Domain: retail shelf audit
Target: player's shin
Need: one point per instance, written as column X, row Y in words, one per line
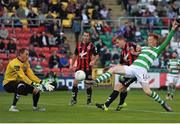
column 103, row 77
column 89, row 94
column 112, row 97
column 74, row 93
column 156, row 97
column 36, row 99
column 16, row 98
column 122, row 97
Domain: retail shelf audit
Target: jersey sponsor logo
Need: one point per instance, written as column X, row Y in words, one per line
column 82, row 54
column 17, row 67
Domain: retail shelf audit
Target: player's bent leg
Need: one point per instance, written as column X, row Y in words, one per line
column 13, row 108
column 122, row 104
column 172, row 87
column 118, row 87
column 35, row 102
column 113, row 70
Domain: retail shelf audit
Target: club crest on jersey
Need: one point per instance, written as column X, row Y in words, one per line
column 17, row 67
column 24, row 68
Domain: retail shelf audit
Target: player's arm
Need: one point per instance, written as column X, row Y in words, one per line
column 19, row 71
column 136, row 50
column 31, row 75
column 74, row 57
column 95, row 58
column 168, row 39
column 96, row 52
column 38, row 83
column 168, row 67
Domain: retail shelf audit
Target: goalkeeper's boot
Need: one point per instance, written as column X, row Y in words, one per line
column 13, row 109
column 102, row 106
column 39, row 109
column 166, row 107
column 73, row 102
column 119, row 107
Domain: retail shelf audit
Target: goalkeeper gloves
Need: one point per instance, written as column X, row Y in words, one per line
column 38, row 86
column 47, row 85
column 44, row 85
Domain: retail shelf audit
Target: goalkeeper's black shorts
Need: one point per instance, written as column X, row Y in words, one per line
column 126, row 81
column 19, row 87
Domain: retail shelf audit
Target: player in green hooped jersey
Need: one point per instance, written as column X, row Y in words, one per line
column 138, row 69
column 173, row 75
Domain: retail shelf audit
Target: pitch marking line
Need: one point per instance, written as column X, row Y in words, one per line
column 110, row 108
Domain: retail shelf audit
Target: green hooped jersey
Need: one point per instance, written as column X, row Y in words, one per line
column 149, row 54
column 173, row 64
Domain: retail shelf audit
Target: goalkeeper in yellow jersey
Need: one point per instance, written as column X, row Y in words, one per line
column 20, row 80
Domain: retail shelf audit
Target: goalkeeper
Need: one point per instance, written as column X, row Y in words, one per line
column 20, row 80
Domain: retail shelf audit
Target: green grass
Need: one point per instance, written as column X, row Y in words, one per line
column 140, row 108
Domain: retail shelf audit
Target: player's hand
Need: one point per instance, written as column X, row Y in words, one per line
column 71, row 67
column 91, row 82
column 175, row 24
column 47, row 85
column 92, row 63
column 38, row 87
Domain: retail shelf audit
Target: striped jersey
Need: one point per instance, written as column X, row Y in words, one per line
column 84, row 52
column 127, row 58
column 149, row 54
column 173, row 64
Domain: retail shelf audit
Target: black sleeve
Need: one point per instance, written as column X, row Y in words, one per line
column 76, row 51
column 96, row 50
column 134, row 45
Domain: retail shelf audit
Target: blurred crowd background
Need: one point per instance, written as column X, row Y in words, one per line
column 52, row 28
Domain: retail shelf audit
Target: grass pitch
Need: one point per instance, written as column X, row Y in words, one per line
column 140, row 109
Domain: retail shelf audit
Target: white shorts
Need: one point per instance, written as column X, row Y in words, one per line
column 171, row 79
column 140, row 73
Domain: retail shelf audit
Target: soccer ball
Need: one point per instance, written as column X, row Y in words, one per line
column 80, row 75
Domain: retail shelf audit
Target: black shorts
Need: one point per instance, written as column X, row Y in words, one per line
column 126, row 81
column 13, row 87
column 88, row 74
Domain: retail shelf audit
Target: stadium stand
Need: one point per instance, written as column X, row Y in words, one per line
column 102, row 23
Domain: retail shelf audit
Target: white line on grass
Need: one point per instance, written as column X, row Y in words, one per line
column 110, row 108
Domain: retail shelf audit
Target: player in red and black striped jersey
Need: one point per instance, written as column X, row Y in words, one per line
column 129, row 53
column 86, row 55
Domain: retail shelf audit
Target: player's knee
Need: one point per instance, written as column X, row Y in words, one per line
column 21, row 89
column 75, row 83
column 118, row 87
column 147, row 92
column 111, row 70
